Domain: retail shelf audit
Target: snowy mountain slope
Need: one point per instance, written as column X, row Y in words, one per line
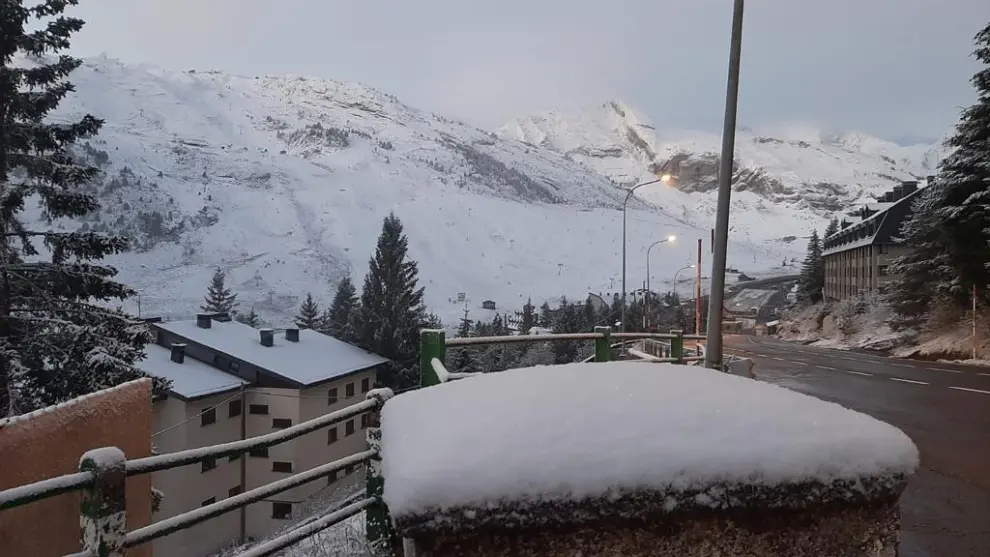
column 795, row 177
column 284, row 181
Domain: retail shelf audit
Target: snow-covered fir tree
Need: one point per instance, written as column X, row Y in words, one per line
column 812, row 280
column 950, row 225
column 309, row 314
column 56, row 343
column 219, row 298
column 528, row 320
column 250, row 318
column 832, row 228
column 337, row 319
column 391, row 313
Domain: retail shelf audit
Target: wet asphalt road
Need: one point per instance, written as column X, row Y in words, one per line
column 944, row 408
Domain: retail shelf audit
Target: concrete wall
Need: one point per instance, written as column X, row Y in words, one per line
column 49, row 443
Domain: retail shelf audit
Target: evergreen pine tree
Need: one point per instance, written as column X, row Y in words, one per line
column 219, row 298
column 812, row 279
column 309, row 314
column 546, row 316
column 832, row 228
column 58, row 338
column 528, row 320
column 391, row 312
column 250, row 318
column 918, row 273
column 337, row 319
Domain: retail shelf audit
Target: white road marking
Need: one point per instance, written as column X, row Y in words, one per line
column 902, row 365
column 778, row 359
column 863, row 373
column 799, row 362
column 912, row 381
column 826, row 367
column 985, row 374
column 945, row 369
column 971, row 390
column 847, row 359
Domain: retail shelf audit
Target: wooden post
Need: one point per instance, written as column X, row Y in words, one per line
column 677, row 346
column 378, row 527
column 603, row 350
column 103, row 511
column 433, row 344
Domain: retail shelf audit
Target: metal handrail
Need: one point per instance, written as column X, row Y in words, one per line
column 109, row 474
column 506, row 339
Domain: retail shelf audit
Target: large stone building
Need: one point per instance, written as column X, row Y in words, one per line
column 858, row 256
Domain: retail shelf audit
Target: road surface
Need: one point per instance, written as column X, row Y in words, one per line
column 944, row 408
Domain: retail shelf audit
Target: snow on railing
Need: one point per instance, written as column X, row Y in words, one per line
column 103, row 473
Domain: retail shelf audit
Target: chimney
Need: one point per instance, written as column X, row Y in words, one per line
column 203, row 320
column 888, row 197
column 909, row 187
column 178, row 353
column 222, row 317
column 267, row 337
column 929, row 180
column 898, row 193
column 292, row 335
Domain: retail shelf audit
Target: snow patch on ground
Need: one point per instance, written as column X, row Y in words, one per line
column 620, row 427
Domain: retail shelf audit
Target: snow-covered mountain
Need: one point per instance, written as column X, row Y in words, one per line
column 284, row 181
column 794, row 177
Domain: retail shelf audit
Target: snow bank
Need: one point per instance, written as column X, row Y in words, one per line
column 857, row 322
column 555, row 435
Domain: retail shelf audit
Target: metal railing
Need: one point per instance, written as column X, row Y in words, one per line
column 103, row 472
column 434, row 343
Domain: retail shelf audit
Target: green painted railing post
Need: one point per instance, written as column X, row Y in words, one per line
column 603, row 349
column 677, row 346
column 378, row 526
column 433, row 344
column 103, row 511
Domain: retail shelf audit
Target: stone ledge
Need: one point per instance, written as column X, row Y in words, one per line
column 737, row 503
column 868, row 530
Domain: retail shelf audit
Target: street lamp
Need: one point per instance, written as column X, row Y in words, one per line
column 668, row 239
column 674, row 286
column 662, row 177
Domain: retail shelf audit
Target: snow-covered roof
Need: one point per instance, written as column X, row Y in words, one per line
column 619, row 428
column 315, row 358
column 190, row 379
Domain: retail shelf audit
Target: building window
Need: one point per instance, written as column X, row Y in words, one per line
column 209, row 416
column 332, row 477
column 234, row 408
column 283, row 467
column 209, row 501
column 349, row 428
column 880, row 248
column 281, row 511
column 882, row 270
column 365, row 421
column 260, row 452
column 281, row 423
column 260, row 409
column 208, row 464
column 349, row 470
column 349, row 390
column 235, row 366
column 332, row 396
column 332, row 435
column 365, row 385
column 236, row 490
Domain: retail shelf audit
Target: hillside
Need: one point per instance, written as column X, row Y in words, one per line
column 283, row 181
column 794, row 177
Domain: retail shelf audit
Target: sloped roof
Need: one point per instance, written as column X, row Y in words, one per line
column 190, row 379
column 314, row 359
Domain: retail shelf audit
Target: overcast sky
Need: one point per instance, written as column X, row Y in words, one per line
column 899, row 69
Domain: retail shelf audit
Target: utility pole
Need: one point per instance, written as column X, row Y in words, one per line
column 713, row 348
column 697, row 292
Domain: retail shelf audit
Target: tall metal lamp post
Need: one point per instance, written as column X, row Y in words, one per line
column 713, row 334
column 667, row 240
column 662, row 178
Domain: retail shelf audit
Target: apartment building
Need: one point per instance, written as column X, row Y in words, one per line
column 231, row 381
column 858, row 257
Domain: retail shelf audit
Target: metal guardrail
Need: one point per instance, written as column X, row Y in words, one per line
column 103, row 472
